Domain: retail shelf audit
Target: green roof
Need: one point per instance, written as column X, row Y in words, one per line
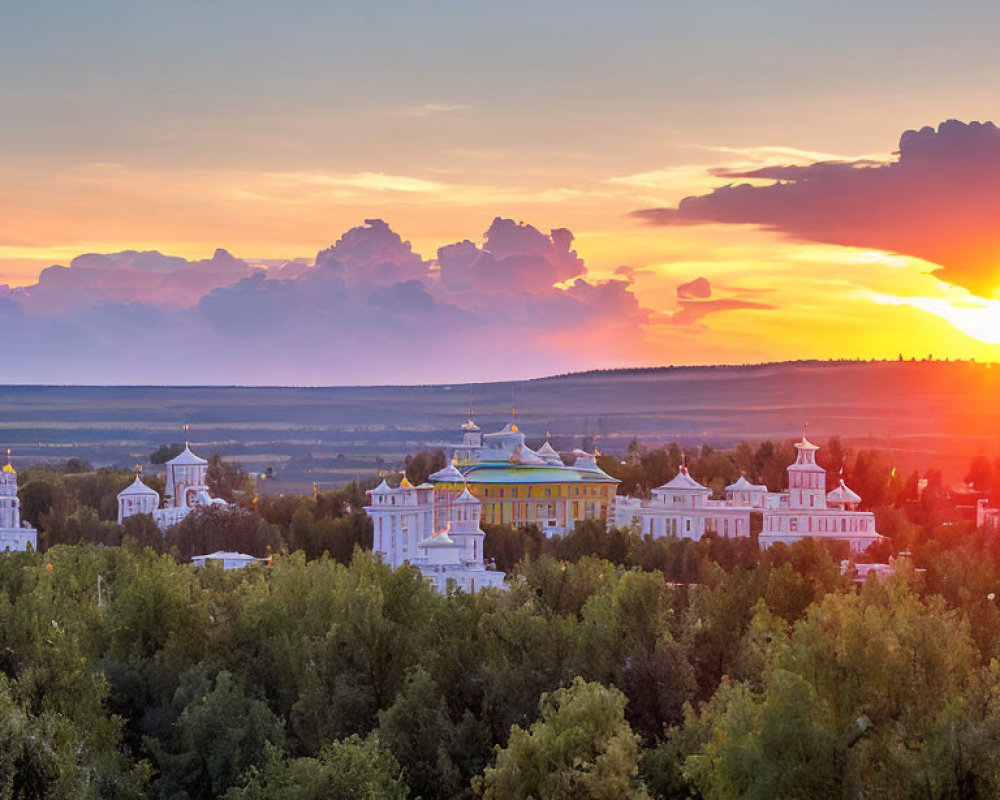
column 502, row 472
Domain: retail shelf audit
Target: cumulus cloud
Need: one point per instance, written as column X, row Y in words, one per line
column 369, row 309
column 514, row 257
column 94, row 279
column 938, row 201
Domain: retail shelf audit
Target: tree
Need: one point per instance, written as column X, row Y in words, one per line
column 226, row 480
column 165, row 452
column 421, row 465
column 211, row 528
column 770, row 746
column 349, row 769
column 219, row 735
column 417, row 731
column 581, row 748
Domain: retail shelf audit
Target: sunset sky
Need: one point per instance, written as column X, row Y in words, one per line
column 815, row 227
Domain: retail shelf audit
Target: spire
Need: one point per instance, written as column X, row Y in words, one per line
column 186, row 429
column 138, row 472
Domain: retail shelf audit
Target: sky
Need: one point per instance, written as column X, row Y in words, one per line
column 319, row 193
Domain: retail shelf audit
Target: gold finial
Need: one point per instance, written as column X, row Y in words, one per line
column 315, row 489
column 138, row 471
column 186, row 429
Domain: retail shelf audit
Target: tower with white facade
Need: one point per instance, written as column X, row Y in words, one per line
column 436, row 531
column 14, row 535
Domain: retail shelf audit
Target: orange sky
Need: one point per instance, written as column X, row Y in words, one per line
column 270, row 131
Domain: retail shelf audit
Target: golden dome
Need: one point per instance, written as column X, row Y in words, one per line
column 9, row 468
column 405, row 483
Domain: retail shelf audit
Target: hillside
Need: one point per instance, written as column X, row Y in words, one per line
column 928, row 413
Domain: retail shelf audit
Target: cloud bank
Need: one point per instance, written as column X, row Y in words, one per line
column 938, row 201
column 368, row 310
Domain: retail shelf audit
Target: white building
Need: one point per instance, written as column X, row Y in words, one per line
column 987, row 517
column 14, row 534
column 227, row 559
column 435, row 532
column 684, row 508
column 186, row 490
column 807, row 511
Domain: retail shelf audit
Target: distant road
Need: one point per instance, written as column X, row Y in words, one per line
column 941, row 412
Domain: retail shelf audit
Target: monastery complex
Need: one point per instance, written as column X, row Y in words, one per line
column 684, row 508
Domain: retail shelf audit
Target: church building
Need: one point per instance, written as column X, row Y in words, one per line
column 14, row 534
column 186, row 490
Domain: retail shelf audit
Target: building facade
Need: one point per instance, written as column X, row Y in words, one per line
column 986, row 516
column 520, row 486
column 684, row 508
column 434, row 531
column 14, row 534
column 186, row 490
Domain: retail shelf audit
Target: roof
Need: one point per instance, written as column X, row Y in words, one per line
column 137, row 487
column 549, row 453
column 743, row 485
column 228, row 556
column 449, row 474
column 382, row 488
column 843, row 494
column 439, row 539
column 9, row 468
column 682, row 481
column 466, row 497
column 509, row 428
column 405, row 483
column 186, row 458
column 525, row 455
column 805, row 444
column 470, row 425
column 503, row 472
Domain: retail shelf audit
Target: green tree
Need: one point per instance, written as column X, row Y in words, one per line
column 417, row 730
column 581, row 748
column 165, row 452
column 349, row 769
column 218, row 736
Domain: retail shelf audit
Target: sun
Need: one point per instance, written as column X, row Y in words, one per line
column 977, row 318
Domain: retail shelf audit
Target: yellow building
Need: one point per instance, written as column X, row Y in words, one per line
column 520, row 486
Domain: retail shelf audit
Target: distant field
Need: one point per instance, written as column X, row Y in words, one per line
column 928, row 414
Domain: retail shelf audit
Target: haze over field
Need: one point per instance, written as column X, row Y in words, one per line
column 926, row 414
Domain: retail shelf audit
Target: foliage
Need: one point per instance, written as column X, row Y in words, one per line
column 349, row 769
column 581, row 748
